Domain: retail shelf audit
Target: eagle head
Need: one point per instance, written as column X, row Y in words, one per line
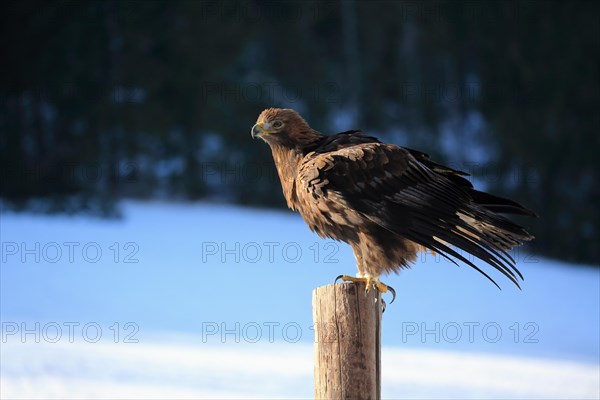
column 282, row 126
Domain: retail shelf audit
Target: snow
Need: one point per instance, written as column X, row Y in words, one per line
column 206, row 300
column 187, row 370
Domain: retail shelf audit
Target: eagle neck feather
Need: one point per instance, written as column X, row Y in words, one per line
column 288, row 160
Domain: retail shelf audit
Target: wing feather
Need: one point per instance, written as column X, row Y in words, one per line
column 405, row 193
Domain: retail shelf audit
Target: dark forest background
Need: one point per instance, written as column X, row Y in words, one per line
column 104, row 100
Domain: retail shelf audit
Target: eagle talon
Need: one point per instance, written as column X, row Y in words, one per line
column 383, row 288
column 369, row 282
column 391, row 289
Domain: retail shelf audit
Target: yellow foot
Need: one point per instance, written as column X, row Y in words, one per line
column 369, row 282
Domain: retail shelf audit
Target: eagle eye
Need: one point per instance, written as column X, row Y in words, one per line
column 277, row 124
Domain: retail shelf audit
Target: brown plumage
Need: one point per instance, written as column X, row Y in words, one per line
column 386, row 201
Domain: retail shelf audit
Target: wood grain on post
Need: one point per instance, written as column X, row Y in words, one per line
column 347, row 325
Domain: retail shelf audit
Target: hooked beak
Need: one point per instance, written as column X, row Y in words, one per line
column 257, row 130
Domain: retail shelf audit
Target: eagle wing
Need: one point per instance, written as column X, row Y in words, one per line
column 404, row 192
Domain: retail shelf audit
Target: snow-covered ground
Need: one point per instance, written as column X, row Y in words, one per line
column 202, row 300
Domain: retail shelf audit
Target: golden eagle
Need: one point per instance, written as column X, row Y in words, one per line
column 386, row 201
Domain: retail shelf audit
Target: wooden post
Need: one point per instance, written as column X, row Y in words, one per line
column 347, row 325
